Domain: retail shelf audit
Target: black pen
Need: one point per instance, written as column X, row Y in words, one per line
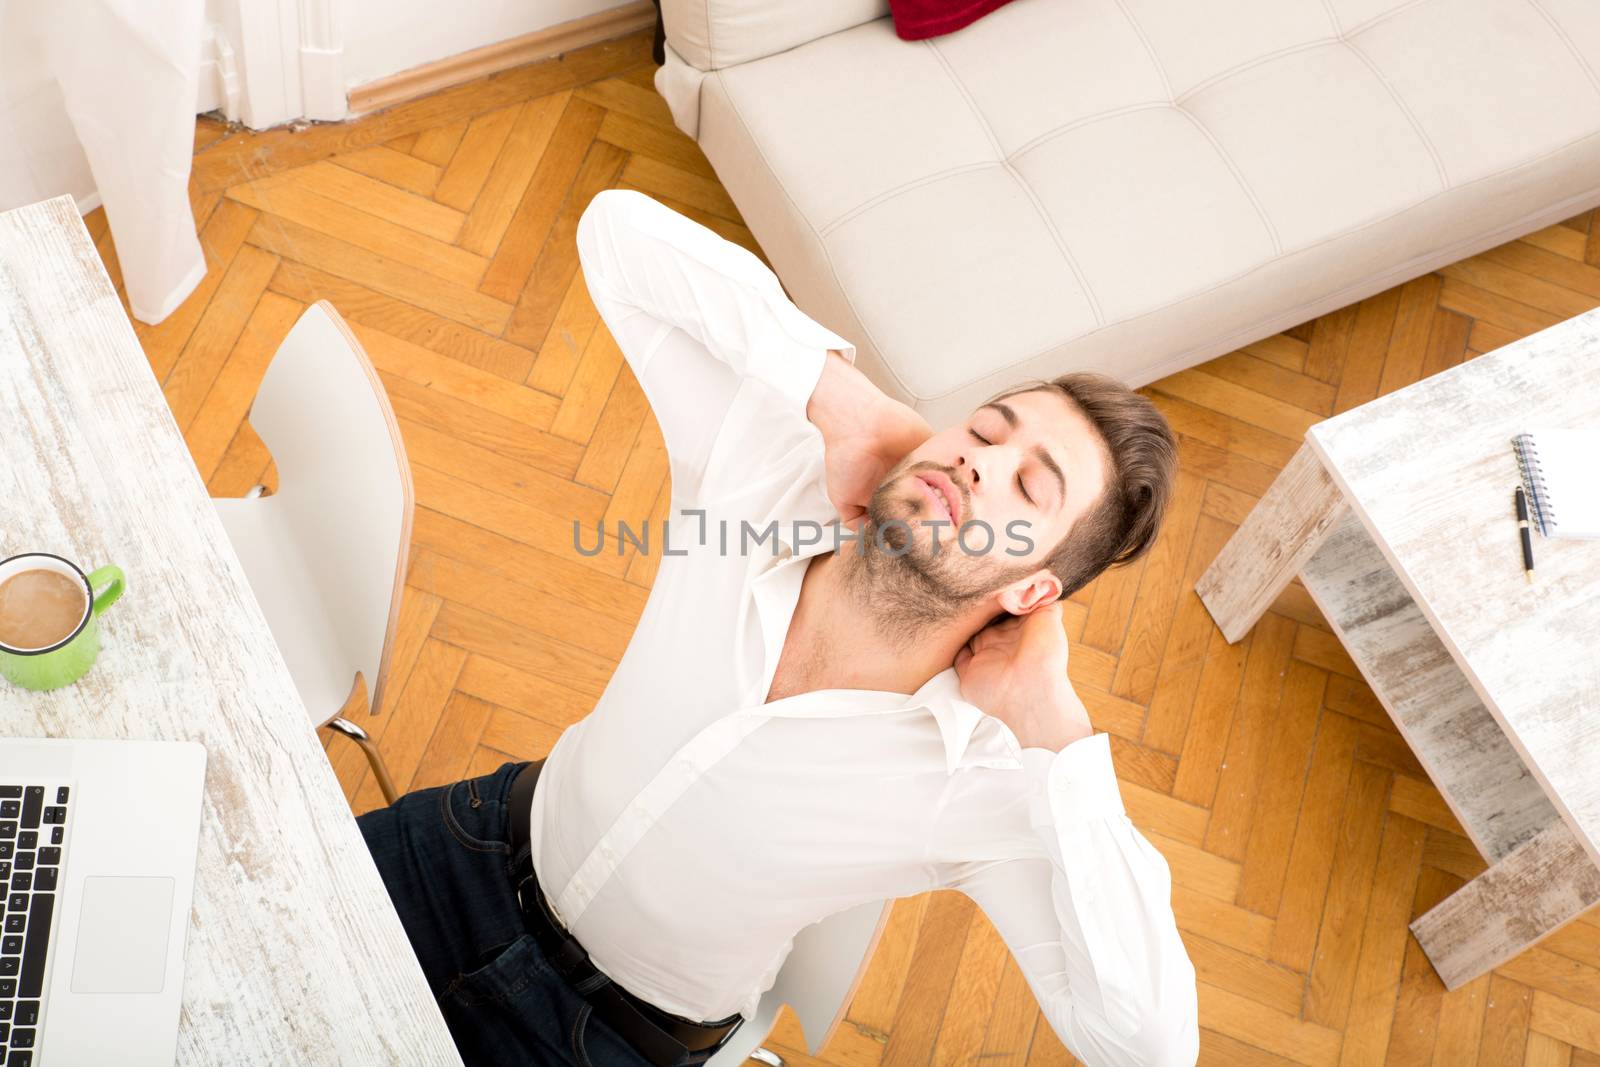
column 1527, row 538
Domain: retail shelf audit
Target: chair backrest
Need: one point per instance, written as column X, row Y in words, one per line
column 819, row 977
column 712, row 34
column 344, row 482
column 826, row 965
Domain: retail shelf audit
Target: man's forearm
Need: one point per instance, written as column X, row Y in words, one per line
column 1065, row 720
column 843, row 394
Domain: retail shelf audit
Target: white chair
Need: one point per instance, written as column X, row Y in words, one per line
column 326, row 553
column 817, row 981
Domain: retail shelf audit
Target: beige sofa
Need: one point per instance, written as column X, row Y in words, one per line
column 1129, row 186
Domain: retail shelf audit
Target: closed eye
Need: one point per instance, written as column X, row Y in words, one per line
column 1023, row 489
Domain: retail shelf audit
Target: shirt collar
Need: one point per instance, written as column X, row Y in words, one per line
column 971, row 738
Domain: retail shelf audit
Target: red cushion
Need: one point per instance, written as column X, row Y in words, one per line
column 915, row 20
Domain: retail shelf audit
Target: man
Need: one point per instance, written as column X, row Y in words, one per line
column 797, row 728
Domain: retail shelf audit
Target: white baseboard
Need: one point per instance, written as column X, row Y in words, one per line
column 493, row 58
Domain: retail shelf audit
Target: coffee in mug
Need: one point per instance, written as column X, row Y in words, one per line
column 40, row 607
column 48, row 608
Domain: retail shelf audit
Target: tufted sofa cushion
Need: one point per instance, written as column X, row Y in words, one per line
column 1133, row 186
column 712, row 34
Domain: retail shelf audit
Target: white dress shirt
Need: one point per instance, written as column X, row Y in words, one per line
column 685, row 830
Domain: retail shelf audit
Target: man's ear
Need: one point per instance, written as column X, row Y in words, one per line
column 1028, row 594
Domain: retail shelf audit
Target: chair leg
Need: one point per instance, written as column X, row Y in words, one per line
column 359, row 736
column 771, row 1059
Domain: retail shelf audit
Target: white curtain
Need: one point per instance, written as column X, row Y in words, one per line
column 123, row 73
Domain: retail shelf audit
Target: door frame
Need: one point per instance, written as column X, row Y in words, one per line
column 269, row 62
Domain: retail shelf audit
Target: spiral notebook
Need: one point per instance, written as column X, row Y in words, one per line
column 1561, row 475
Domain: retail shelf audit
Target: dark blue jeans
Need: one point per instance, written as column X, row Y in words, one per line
column 444, row 856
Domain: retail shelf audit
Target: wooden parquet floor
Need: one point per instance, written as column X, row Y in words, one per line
column 1301, row 832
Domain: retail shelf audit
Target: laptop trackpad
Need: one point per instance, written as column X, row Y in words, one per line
column 122, row 935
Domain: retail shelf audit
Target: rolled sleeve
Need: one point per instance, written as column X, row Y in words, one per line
column 1073, row 786
column 791, row 355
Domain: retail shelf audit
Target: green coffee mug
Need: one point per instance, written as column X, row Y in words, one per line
column 65, row 661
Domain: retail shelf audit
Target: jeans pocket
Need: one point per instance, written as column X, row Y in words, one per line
column 515, row 966
column 595, row 1044
column 580, row 1050
column 471, row 820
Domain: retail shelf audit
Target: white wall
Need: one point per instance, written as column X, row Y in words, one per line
column 39, row 153
column 383, row 37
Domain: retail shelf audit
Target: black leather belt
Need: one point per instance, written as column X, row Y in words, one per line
column 659, row 1036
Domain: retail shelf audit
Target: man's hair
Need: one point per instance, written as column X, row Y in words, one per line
column 1141, row 460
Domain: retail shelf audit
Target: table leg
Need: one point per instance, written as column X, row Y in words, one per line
column 1284, row 529
column 1548, row 880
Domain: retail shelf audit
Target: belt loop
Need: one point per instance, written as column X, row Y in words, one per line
column 591, row 983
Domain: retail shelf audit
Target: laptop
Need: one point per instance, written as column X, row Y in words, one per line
column 97, row 856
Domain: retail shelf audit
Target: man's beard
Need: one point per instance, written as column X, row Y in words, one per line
column 906, row 585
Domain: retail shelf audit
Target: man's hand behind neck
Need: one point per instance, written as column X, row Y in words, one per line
column 864, row 434
column 1016, row 670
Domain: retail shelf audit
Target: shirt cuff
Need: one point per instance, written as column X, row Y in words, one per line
column 1075, row 785
column 793, row 363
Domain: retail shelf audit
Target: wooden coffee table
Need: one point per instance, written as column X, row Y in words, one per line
column 1398, row 517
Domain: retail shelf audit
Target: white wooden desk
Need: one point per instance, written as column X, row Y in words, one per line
column 295, row 954
column 1398, row 516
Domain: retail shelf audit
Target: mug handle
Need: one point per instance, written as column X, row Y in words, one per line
column 108, row 574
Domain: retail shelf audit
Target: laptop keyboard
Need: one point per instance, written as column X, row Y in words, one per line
column 33, row 828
